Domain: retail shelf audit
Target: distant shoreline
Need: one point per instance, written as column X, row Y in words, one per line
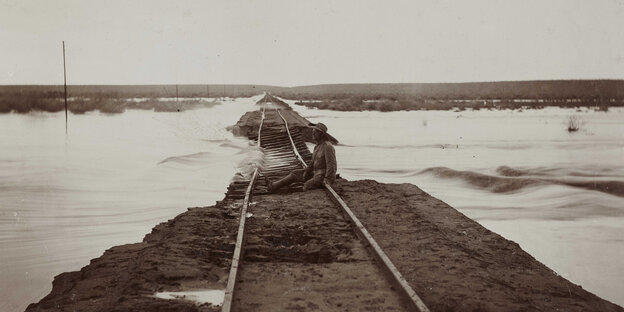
column 103, row 104
column 342, row 97
column 388, row 105
column 114, row 105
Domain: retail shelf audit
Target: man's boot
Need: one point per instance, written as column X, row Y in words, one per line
column 274, row 186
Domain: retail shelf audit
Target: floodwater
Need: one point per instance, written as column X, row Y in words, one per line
column 559, row 195
column 66, row 199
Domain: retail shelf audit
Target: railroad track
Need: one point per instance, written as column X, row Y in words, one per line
column 309, row 257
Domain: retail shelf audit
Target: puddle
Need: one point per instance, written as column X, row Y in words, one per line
column 212, row 296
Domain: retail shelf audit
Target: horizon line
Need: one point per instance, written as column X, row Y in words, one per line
column 318, row 84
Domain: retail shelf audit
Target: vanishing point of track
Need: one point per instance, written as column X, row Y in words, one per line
column 285, row 150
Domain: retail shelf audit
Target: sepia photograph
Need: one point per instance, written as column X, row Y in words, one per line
column 205, row 155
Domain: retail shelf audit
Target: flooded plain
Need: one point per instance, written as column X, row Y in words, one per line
column 521, row 174
column 64, row 199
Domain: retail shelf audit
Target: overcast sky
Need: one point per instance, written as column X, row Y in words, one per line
column 309, row 42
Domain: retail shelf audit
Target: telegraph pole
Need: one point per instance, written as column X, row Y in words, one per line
column 65, row 85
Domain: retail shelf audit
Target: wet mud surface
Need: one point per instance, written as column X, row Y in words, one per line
column 247, row 125
column 190, row 252
column 452, row 262
column 302, row 255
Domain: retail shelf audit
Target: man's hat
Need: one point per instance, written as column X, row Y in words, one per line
column 323, row 128
column 319, row 126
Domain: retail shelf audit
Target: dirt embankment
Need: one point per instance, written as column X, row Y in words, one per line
column 247, row 125
column 452, row 262
column 308, row 258
column 191, row 251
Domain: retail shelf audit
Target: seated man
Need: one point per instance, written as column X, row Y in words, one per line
column 323, row 166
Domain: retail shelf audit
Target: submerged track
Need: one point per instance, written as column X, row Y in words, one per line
column 310, row 257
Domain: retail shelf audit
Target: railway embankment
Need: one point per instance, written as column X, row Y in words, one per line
column 452, row 262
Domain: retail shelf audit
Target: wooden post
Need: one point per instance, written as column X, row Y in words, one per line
column 65, row 85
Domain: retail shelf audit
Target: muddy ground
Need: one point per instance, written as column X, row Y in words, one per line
column 247, row 125
column 191, row 251
column 308, row 258
column 452, row 262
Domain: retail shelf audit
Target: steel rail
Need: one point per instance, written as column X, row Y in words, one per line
column 389, row 267
column 292, row 143
column 240, row 237
column 394, row 274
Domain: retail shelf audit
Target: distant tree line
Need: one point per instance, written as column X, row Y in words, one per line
column 555, row 89
column 347, row 97
column 358, row 103
column 20, row 100
column 446, row 96
column 143, row 91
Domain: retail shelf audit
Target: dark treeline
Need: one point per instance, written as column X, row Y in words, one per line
column 142, row 91
column 407, row 103
column 445, row 96
column 347, row 97
column 555, row 89
column 115, row 99
column 545, row 89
